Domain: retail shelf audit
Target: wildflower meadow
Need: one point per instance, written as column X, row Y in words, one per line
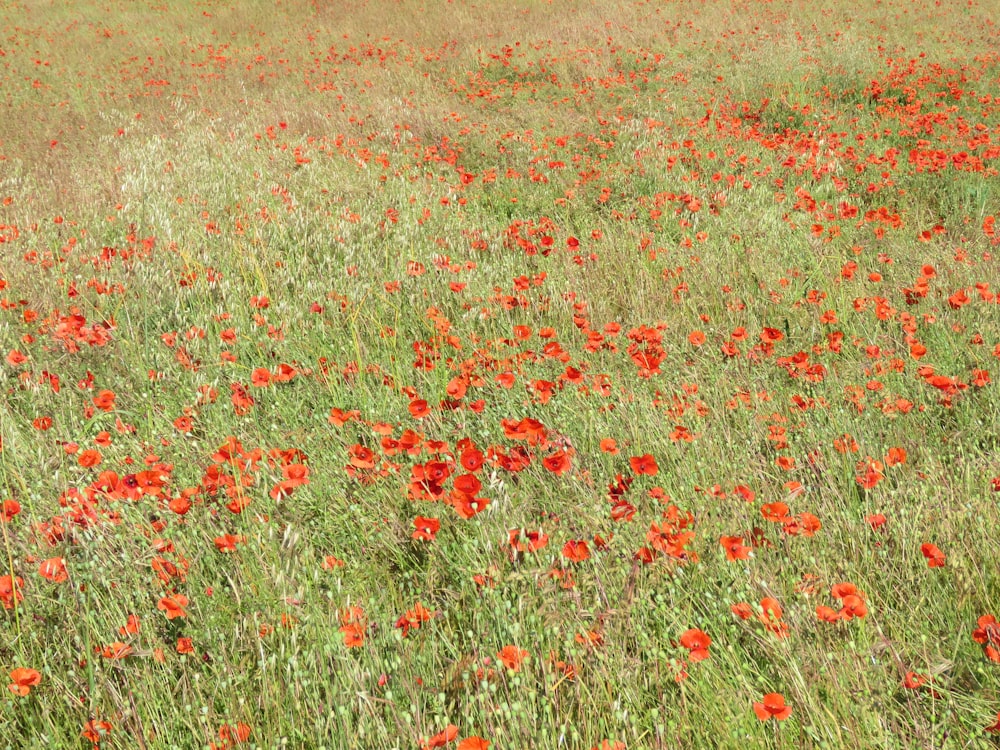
column 410, row 374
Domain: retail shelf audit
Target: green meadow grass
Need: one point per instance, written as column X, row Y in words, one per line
column 241, row 246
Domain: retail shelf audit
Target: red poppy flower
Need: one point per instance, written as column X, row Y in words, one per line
column 330, row 562
column 414, row 618
column 988, row 634
column 23, row 679
column 846, row 444
column 558, row 463
column 785, row 463
column 354, row 634
column 105, row 400
column 116, row 650
column 843, row 590
column 772, row 706
column 295, row 475
column 697, row 643
column 362, row 457
column 935, row 557
column 468, row 484
column 644, row 465
column 339, row 417
column 468, row 506
column 622, row 510
column 419, row 409
column 771, row 608
column 15, row 358
column 96, row 730
column 576, row 550
column 227, row 542
column 531, row 541
column 173, row 606
column 771, row 335
column 827, row 614
column 426, row 528
column 238, row 734
column 54, row 569
column 876, row 521
column 473, row 743
column 912, row 680
column 10, row 591
column 89, row 458
column 775, row 512
column 742, row 610
column 770, row 617
column 735, row 549
column 9, row 509
column 853, row 606
column 988, row 630
column 513, row 657
column 895, row 457
column 260, row 378
column 131, row 626
column 869, row 473
column 442, row 738
column 472, row 459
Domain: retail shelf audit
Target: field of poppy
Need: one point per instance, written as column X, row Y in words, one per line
column 422, row 374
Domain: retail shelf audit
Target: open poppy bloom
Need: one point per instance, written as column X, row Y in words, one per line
column 876, row 520
column 426, row 528
column 558, row 463
column 96, row 730
column 827, row 614
column 413, row 618
column 131, row 626
column 988, row 634
column 697, row 643
column 576, row 550
column 354, row 634
column 935, row 557
column 770, row 617
column 609, row 445
column 237, row 734
column 23, row 679
column 531, row 541
column 54, row 569
column 735, row 549
column 173, row 606
column 775, row 512
column 9, row 509
column 116, row 650
column 914, row 680
column 442, row 738
column 512, row 657
column 645, row 464
column 772, row 706
column 852, row 601
column 10, row 591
